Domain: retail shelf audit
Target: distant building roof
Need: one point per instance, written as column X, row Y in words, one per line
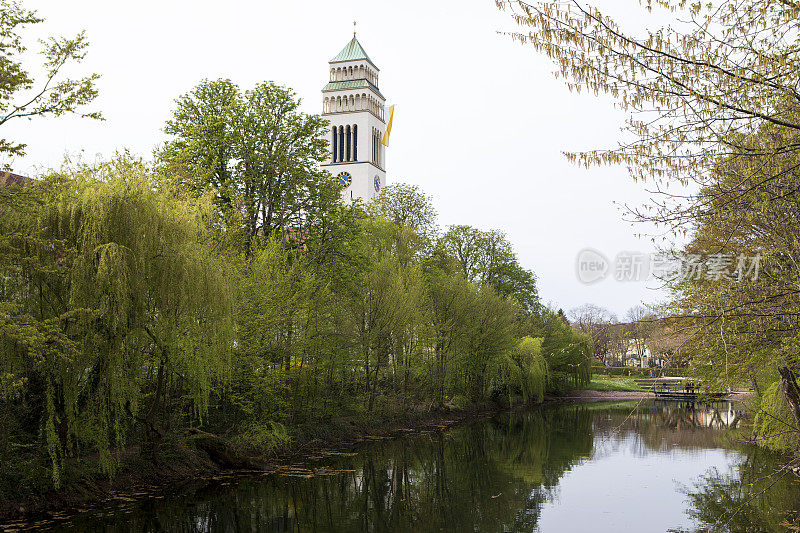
column 352, row 52
column 9, row 178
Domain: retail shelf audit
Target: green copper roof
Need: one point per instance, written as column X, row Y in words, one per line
column 352, row 52
column 351, row 84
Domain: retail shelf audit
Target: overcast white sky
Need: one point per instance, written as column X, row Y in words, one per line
column 480, row 121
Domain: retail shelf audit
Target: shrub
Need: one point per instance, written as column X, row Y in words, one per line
column 774, row 423
column 262, row 438
column 458, row 402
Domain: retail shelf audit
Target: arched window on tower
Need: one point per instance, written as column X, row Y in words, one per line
column 374, row 147
column 334, row 144
column 355, row 142
column 347, row 136
column 341, row 143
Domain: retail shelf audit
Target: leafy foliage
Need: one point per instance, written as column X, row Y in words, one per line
column 257, row 152
column 21, row 94
column 113, row 312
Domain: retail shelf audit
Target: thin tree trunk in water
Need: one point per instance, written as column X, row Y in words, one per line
column 289, row 398
column 791, row 392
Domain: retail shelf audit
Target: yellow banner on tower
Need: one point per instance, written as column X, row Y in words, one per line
column 385, row 140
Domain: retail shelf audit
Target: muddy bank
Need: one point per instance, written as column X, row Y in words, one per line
column 600, row 395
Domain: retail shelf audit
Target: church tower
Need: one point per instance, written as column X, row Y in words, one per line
column 355, row 108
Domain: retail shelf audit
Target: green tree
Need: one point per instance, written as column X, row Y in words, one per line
column 488, row 334
column 488, row 257
column 567, row 352
column 258, row 151
column 203, row 149
column 448, row 298
column 116, row 316
column 384, row 308
column 24, row 95
column 525, row 367
column 407, row 205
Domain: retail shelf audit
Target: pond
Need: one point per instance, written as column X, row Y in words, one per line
column 654, row 466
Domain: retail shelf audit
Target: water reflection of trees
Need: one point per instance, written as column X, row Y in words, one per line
column 754, row 497
column 473, row 478
column 490, row 476
column 478, row 477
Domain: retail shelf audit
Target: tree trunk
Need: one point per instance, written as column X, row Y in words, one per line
column 791, row 392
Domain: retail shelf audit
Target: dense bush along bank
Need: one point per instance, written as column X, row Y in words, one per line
column 136, row 305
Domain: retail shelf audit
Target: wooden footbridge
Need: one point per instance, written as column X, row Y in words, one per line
column 678, row 389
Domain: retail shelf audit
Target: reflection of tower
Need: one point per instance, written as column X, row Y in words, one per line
column 355, row 108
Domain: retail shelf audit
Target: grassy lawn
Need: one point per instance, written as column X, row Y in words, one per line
column 613, row 383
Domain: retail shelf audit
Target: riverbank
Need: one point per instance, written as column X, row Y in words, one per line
column 586, row 395
column 183, row 464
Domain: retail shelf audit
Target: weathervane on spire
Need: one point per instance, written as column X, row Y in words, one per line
column 354, row 28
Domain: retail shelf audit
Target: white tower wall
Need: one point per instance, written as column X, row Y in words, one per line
column 355, row 108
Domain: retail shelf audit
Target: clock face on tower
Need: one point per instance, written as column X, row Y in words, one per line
column 345, row 179
column 377, row 183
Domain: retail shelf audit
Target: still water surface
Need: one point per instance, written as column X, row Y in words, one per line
column 658, row 466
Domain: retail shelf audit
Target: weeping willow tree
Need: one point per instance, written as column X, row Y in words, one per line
column 525, row 368
column 567, row 351
column 120, row 313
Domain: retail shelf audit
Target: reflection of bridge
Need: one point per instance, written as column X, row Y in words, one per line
column 708, row 416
